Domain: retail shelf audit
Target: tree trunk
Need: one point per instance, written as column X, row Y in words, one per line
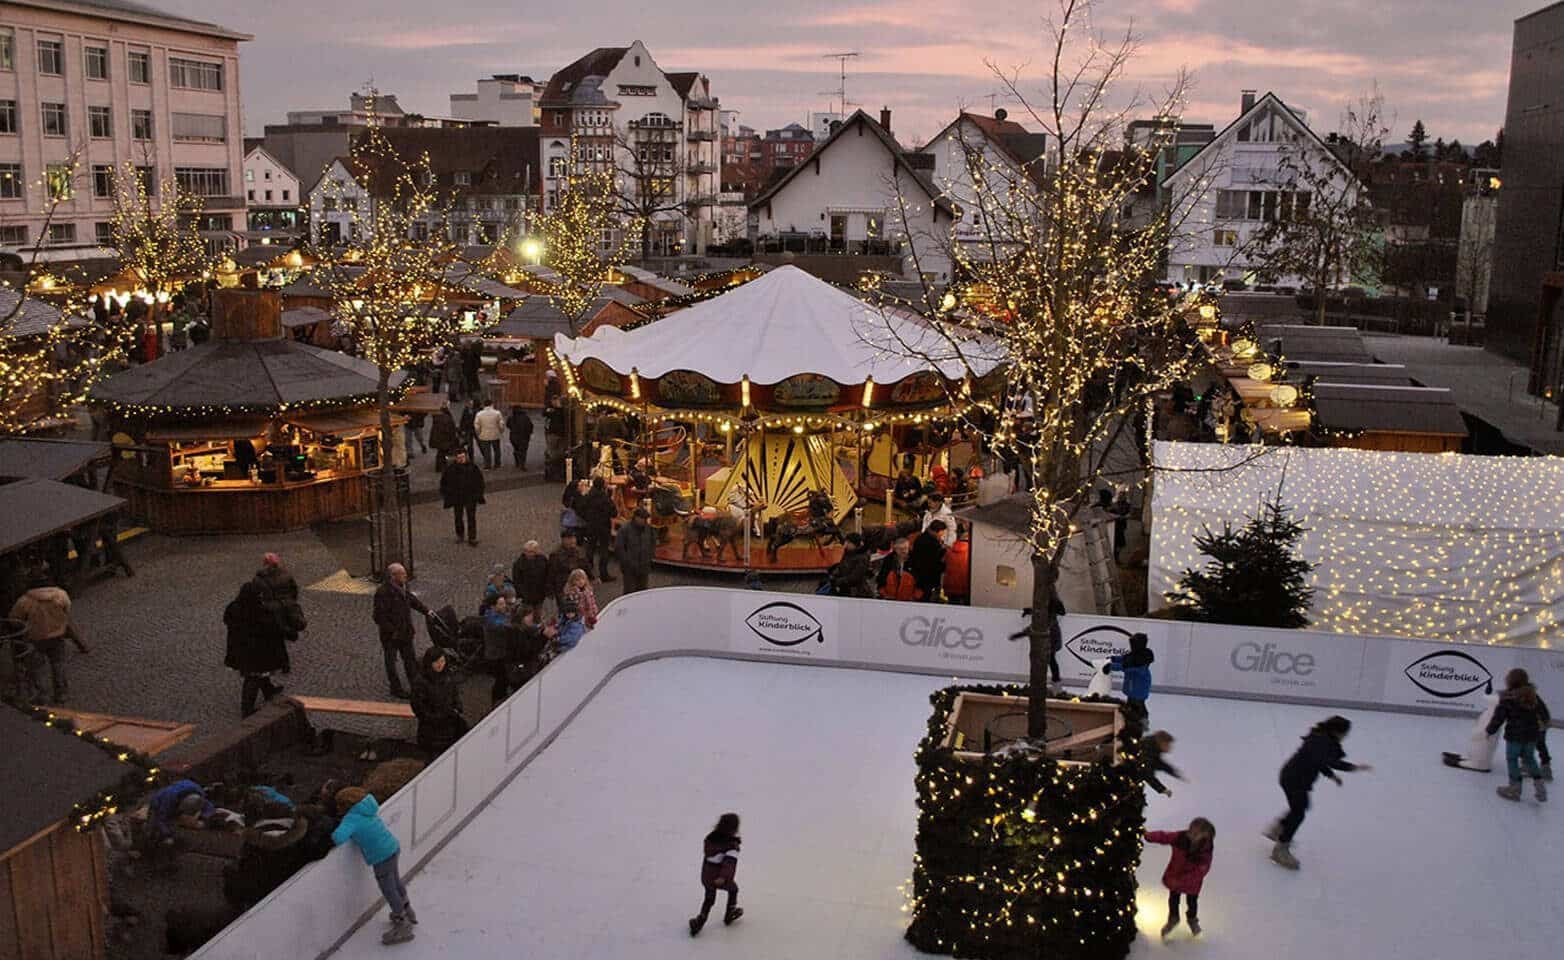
column 387, row 517
column 1045, row 577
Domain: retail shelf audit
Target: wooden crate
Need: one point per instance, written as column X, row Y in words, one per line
column 1095, row 726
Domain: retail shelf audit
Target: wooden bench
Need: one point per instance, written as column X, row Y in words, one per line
column 359, row 708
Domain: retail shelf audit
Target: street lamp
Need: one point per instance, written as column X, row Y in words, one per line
column 532, row 250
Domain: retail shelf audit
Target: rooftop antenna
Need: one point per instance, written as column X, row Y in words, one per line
column 841, row 90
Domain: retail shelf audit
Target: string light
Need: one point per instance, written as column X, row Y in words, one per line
column 137, row 778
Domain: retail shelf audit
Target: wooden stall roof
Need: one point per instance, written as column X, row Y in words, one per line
column 341, row 421
column 238, row 428
column 151, row 737
column 1326, row 371
column 46, row 772
column 304, row 316
column 1305, row 342
column 419, row 402
column 246, row 373
column 49, row 459
column 33, row 509
column 1361, row 407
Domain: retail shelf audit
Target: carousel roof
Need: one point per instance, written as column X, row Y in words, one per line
column 249, row 374
column 783, row 324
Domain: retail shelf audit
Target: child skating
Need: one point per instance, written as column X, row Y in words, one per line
column 1187, row 869
column 1136, row 667
column 719, row 863
column 362, row 825
column 1320, row 755
column 1153, row 760
column 1523, row 716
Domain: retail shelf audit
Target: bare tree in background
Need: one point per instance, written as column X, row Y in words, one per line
column 649, row 172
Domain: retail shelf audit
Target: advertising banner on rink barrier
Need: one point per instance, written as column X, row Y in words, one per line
column 1460, row 677
column 792, row 625
column 1088, row 639
column 961, row 641
column 1285, row 664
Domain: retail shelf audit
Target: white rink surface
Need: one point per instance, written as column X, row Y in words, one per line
column 593, row 851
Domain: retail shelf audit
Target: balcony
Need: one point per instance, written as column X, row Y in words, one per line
column 702, row 200
column 701, row 136
column 700, row 167
column 223, row 203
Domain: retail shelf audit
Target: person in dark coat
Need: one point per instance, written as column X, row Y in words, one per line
column 1187, row 869
column 597, row 512
column 472, row 362
column 719, row 863
column 853, row 575
column 530, row 575
column 1320, row 755
column 520, row 426
column 461, row 489
column 443, row 437
column 565, row 558
column 257, row 645
column 1523, row 716
column 437, row 703
column 281, row 593
column 926, row 562
column 636, row 545
column 394, row 606
column 467, row 429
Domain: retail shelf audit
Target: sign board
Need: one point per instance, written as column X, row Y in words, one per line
column 806, row 390
column 1088, row 639
column 952, row 638
column 799, row 626
column 1460, row 676
column 1275, row 663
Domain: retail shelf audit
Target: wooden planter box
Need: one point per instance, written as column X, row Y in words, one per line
column 1086, row 732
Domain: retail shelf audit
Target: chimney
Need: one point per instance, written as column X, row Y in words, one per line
column 885, row 118
column 1246, row 103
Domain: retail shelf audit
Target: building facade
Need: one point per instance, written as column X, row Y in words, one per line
column 657, row 133
column 785, row 147
column 1525, row 321
column 505, row 100
column 1006, row 153
column 96, row 85
column 276, row 210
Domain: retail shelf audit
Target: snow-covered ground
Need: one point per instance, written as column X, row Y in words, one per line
column 593, row 850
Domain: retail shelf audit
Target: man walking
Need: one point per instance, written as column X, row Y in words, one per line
column 520, row 426
column 635, row 544
column 461, row 488
column 46, row 611
column 443, row 437
column 489, row 426
column 394, row 606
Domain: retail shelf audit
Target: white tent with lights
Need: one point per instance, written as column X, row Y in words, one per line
column 1441, row 546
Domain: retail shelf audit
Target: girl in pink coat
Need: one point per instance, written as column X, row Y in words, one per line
column 1192, row 849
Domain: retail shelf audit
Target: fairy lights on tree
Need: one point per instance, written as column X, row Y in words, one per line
column 585, row 236
column 155, row 229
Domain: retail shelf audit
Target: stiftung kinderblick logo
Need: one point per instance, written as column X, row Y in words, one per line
column 784, row 624
column 1449, row 674
column 1102, row 642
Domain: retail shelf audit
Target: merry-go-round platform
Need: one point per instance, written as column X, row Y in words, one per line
column 795, row 558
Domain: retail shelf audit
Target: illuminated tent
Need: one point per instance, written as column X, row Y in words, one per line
column 1439, row 546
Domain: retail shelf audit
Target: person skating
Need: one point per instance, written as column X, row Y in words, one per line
column 489, row 428
column 1153, row 760
column 1523, row 716
column 257, row 645
column 461, row 489
column 1136, row 667
column 636, row 545
column 719, row 863
column 394, row 606
column 520, row 426
column 362, row 826
column 1321, row 754
column 1187, row 868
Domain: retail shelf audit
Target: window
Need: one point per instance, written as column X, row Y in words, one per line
column 95, row 61
column 250, row 195
column 100, row 123
column 7, row 116
column 1230, row 204
column 11, row 181
column 267, row 174
column 268, row 196
column 140, row 64
column 13, row 236
column 249, row 175
column 200, row 127
column 51, row 57
column 58, row 179
column 285, row 197
column 102, row 180
column 556, row 166
column 1225, row 238
column 195, row 74
column 54, row 124
column 7, row 50
column 62, row 233
column 329, row 204
column 141, row 124
column 103, row 232
column 462, row 178
column 203, row 181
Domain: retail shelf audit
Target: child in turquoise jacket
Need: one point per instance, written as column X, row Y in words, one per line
column 362, row 825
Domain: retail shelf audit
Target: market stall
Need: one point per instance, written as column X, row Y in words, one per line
column 765, row 402
column 249, row 432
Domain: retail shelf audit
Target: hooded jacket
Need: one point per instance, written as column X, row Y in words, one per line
column 720, row 859
column 1136, row 667
column 1187, row 869
column 363, row 826
column 1522, row 723
column 1319, row 753
column 257, row 643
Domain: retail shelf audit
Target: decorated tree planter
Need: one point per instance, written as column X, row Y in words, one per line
column 1023, row 853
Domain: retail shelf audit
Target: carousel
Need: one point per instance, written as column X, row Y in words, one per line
column 759, row 421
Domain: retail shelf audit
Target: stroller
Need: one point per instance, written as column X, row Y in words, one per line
column 462, row 638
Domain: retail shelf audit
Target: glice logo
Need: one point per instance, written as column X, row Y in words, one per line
column 1102, row 642
column 1251, row 657
column 1449, row 674
column 919, row 631
column 784, row 624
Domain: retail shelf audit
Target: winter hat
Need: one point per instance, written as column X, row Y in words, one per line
column 271, row 560
column 348, row 797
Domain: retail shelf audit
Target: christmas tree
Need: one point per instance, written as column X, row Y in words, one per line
column 1255, row 577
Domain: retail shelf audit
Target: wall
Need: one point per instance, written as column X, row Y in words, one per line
column 320, row 905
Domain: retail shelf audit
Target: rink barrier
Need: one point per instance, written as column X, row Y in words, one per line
column 318, row 908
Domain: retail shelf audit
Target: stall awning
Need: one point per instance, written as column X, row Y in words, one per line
column 216, row 430
column 33, row 509
column 49, row 459
column 421, row 402
column 341, row 421
column 304, row 316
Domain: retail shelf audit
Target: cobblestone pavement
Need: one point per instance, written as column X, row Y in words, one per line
column 158, row 640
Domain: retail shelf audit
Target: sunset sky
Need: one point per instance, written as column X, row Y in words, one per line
column 1443, row 61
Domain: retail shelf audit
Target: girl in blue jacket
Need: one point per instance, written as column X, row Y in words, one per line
column 1136, row 667
column 362, row 825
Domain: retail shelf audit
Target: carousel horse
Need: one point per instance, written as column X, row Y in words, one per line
column 712, row 525
column 818, row 526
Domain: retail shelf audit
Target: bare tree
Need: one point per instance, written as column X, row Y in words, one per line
column 649, row 171
column 585, row 236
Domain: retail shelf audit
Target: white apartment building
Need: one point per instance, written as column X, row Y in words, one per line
column 1007, row 154
column 1236, row 184
column 103, row 83
column 334, row 202
column 626, row 114
column 505, row 100
column 271, row 192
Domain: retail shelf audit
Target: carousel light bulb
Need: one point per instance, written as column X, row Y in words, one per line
column 798, row 428
column 868, row 392
column 1208, row 311
column 635, row 384
column 744, row 390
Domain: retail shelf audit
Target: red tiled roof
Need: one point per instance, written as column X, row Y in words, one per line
column 598, row 63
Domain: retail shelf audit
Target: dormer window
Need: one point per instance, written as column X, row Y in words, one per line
column 463, row 178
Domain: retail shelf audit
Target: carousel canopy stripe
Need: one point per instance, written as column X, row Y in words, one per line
column 33, row 509
column 49, row 459
column 778, row 326
column 249, row 374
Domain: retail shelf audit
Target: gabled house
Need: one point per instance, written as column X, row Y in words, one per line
column 848, row 196
column 272, row 192
column 1007, row 153
column 1228, row 190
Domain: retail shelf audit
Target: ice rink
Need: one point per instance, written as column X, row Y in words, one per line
column 593, row 851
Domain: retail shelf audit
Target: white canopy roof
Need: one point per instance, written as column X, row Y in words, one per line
column 783, row 324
